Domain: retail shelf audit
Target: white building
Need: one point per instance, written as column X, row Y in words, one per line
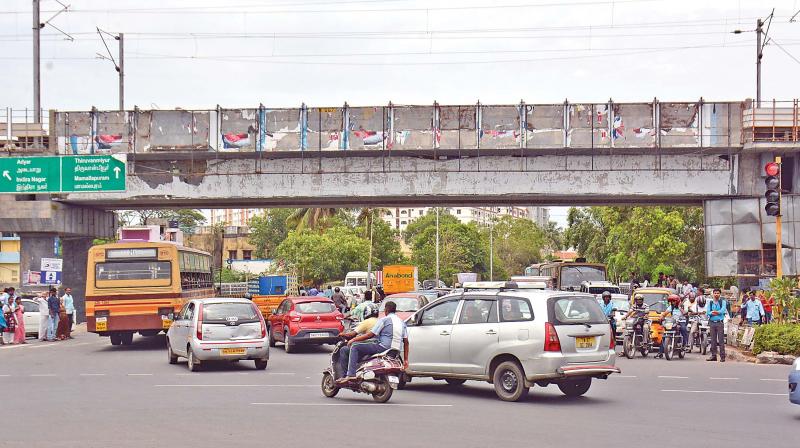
column 234, row 217
column 539, row 215
column 400, row 218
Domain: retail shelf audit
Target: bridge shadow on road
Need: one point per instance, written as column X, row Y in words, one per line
column 536, row 394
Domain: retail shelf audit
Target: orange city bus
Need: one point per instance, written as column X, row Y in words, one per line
column 137, row 286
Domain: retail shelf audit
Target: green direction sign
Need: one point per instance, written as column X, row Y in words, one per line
column 30, row 174
column 66, row 174
column 82, row 174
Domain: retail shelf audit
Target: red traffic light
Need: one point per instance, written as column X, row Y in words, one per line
column 772, row 169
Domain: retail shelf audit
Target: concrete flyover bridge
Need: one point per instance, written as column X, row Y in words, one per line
column 568, row 153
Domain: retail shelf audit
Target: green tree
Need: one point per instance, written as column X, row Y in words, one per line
column 269, row 229
column 462, row 247
column 322, row 257
column 642, row 239
column 383, row 240
column 312, row 218
column 517, row 243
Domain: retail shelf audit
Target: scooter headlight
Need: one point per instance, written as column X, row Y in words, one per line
column 369, row 375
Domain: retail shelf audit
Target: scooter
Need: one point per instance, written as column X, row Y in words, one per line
column 633, row 340
column 378, row 375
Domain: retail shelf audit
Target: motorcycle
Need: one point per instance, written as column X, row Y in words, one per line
column 378, row 375
column 673, row 340
column 705, row 331
column 633, row 340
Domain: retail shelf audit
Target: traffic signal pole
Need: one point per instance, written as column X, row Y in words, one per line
column 778, row 229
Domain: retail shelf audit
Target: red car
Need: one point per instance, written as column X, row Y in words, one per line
column 407, row 303
column 312, row 320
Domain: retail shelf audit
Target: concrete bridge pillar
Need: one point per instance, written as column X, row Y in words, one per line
column 40, row 224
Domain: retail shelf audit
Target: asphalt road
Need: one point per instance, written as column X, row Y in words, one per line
column 86, row 393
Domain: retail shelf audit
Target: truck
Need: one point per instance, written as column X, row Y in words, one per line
column 268, row 291
column 399, row 278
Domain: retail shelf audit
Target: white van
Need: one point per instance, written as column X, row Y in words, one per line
column 358, row 278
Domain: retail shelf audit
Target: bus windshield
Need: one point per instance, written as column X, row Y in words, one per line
column 572, row 276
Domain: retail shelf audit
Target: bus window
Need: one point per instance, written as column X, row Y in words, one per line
column 133, row 270
column 571, row 276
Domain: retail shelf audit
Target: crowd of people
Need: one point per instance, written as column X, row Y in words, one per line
column 56, row 316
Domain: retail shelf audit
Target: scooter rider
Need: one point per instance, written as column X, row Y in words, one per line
column 368, row 319
column 640, row 310
column 391, row 333
column 608, row 310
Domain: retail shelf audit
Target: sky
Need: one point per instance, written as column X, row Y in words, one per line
column 240, row 53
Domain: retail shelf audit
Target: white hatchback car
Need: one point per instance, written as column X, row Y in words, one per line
column 219, row 329
column 513, row 338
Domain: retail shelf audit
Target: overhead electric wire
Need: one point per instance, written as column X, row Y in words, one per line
column 228, row 11
column 772, row 40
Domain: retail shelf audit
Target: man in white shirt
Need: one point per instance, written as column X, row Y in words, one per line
column 69, row 306
column 44, row 315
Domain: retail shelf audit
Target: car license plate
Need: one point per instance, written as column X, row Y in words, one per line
column 584, row 342
column 318, row 335
column 233, row 351
column 101, row 324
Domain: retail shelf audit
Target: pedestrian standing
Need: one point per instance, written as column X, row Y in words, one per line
column 11, row 321
column 19, row 331
column 743, row 307
column 3, row 325
column 44, row 316
column 69, row 305
column 4, row 297
column 53, row 305
column 328, row 292
column 754, row 311
column 62, row 332
column 717, row 310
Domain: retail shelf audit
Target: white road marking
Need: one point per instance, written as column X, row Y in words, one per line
column 721, row 378
column 5, row 375
column 280, row 373
column 92, row 374
column 624, row 376
column 43, row 374
column 187, row 374
column 775, row 379
column 140, row 374
column 719, row 392
column 236, row 385
column 358, row 404
column 674, row 377
column 43, row 345
column 10, row 346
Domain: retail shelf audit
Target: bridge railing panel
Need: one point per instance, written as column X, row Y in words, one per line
column 679, row 125
column 588, row 126
column 284, row 130
column 722, row 124
column 74, row 133
column 412, row 127
column 325, row 126
column 366, row 128
column 238, row 130
column 112, row 132
column 458, row 127
column 499, row 127
column 174, row 130
column 633, row 125
column 544, row 125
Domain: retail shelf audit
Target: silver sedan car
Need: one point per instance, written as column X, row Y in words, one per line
column 218, row 330
column 513, row 338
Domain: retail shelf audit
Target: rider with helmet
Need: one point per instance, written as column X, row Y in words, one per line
column 674, row 309
column 368, row 317
column 608, row 311
column 639, row 310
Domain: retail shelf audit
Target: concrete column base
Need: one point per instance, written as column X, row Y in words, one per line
column 76, row 257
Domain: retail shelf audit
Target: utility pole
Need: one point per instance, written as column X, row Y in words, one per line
column 437, row 247
column 759, row 55
column 37, row 82
column 119, row 63
column 121, row 71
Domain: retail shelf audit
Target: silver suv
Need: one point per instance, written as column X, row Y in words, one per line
column 513, row 339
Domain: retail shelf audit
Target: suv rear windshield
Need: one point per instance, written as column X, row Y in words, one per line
column 576, row 311
column 230, row 312
column 314, row 307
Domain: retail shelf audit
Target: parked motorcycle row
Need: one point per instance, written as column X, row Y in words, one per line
column 649, row 333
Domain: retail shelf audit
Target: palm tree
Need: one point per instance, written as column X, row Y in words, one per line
column 311, row 218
